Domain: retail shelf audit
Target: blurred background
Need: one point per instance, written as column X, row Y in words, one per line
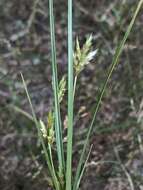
column 116, row 161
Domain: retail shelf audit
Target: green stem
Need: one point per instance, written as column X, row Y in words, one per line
column 53, row 168
column 70, row 100
column 41, row 137
column 58, row 128
column 115, row 61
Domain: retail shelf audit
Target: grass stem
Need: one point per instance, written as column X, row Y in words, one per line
column 115, row 61
column 58, row 128
column 70, row 100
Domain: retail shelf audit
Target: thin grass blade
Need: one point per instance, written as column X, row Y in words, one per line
column 70, row 100
column 58, row 127
column 55, row 181
column 115, row 61
column 21, row 111
column 84, row 166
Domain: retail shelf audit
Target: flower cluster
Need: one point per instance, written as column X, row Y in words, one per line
column 62, row 89
column 84, row 55
column 48, row 132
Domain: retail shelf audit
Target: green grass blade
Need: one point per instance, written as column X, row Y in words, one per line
column 19, row 110
column 84, row 166
column 115, row 61
column 70, row 100
column 58, row 128
column 54, row 178
column 52, row 166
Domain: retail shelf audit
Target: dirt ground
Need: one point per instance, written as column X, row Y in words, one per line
column 116, row 160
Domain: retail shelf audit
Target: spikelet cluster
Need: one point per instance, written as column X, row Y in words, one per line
column 62, row 89
column 48, row 131
column 84, row 55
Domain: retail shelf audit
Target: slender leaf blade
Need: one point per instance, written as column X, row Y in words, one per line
column 54, row 178
column 70, row 100
column 115, row 61
column 84, row 166
column 58, row 128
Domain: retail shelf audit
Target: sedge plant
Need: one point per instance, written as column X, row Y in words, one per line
column 50, row 133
